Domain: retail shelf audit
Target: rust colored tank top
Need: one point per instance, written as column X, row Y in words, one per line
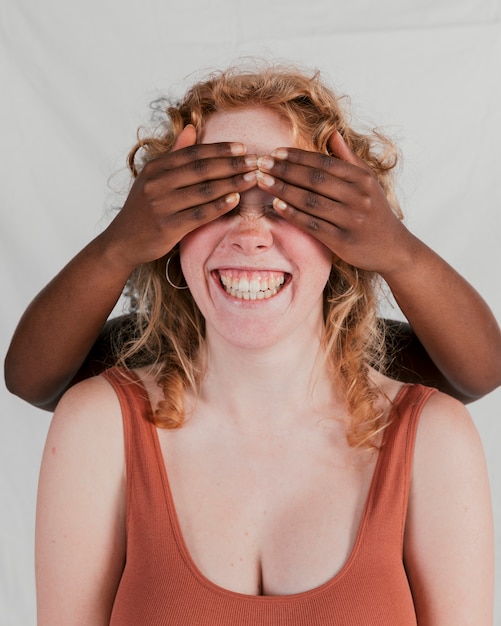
column 162, row 586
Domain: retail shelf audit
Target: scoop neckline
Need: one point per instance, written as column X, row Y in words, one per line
column 214, row 587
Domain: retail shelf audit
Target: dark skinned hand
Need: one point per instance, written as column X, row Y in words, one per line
column 339, row 201
column 177, row 192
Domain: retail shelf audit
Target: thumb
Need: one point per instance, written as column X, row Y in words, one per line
column 187, row 137
column 340, row 148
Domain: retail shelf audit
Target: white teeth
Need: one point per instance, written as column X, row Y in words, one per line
column 243, row 285
column 250, row 295
column 254, row 285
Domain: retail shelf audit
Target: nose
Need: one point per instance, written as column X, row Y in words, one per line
column 251, row 232
column 252, row 210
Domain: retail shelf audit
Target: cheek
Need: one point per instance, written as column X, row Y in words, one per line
column 191, row 257
column 196, row 249
column 323, row 267
column 308, row 252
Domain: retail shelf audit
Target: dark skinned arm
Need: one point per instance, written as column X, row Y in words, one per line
column 454, row 343
column 169, row 198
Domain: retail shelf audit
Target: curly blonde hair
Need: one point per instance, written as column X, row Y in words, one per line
column 170, row 329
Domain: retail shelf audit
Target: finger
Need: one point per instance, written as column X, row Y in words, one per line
column 306, row 187
column 210, row 191
column 344, row 209
column 213, row 168
column 187, row 137
column 341, row 149
column 196, row 151
column 183, row 168
column 183, row 222
column 312, row 211
column 324, row 231
column 318, row 162
column 158, row 181
column 200, row 181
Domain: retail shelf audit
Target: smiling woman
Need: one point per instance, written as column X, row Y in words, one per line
column 252, row 247
column 298, row 120
column 271, row 473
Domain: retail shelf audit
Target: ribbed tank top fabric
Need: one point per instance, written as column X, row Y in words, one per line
column 162, row 586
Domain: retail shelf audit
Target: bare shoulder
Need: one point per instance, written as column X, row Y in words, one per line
column 449, row 519
column 446, row 429
column 445, row 424
column 81, row 507
column 89, row 412
column 95, row 389
column 448, row 449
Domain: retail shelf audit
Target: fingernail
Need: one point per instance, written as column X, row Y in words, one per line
column 279, row 204
column 251, row 161
column 280, row 153
column 250, row 176
column 266, row 179
column 232, row 198
column 265, row 163
column 238, row 148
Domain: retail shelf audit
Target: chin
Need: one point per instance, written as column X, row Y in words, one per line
column 251, row 337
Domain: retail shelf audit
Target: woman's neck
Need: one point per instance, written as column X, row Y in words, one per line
column 269, row 383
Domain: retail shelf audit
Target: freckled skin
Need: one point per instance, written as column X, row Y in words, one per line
column 255, row 238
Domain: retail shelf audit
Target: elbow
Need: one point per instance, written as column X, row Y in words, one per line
column 491, row 366
column 483, row 374
column 13, row 380
column 473, row 390
column 18, row 383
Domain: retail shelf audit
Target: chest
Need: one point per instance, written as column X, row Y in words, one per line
column 272, row 516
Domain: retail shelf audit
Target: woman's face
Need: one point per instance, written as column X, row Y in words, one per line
column 256, row 278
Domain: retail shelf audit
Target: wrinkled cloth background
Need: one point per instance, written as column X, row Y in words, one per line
column 77, row 78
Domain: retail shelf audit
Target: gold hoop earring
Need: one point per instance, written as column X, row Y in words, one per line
column 169, row 258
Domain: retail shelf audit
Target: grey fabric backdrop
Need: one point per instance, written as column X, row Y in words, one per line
column 76, row 80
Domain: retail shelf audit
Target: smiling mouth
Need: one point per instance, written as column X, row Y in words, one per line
column 252, row 285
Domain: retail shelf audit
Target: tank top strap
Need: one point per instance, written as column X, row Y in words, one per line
column 134, row 402
column 391, row 482
column 144, row 480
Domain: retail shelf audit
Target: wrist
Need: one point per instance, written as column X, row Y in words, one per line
column 410, row 258
column 110, row 257
column 103, row 259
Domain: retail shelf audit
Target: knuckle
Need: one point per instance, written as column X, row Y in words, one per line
column 236, row 182
column 198, row 213
column 237, row 163
column 282, row 167
column 193, row 150
column 316, row 176
column 148, row 169
column 311, row 201
column 327, row 161
column 281, row 188
column 312, row 224
column 365, row 202
column 367, row 179
column 199, row 166
column 149, row 189
column 205, row 189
